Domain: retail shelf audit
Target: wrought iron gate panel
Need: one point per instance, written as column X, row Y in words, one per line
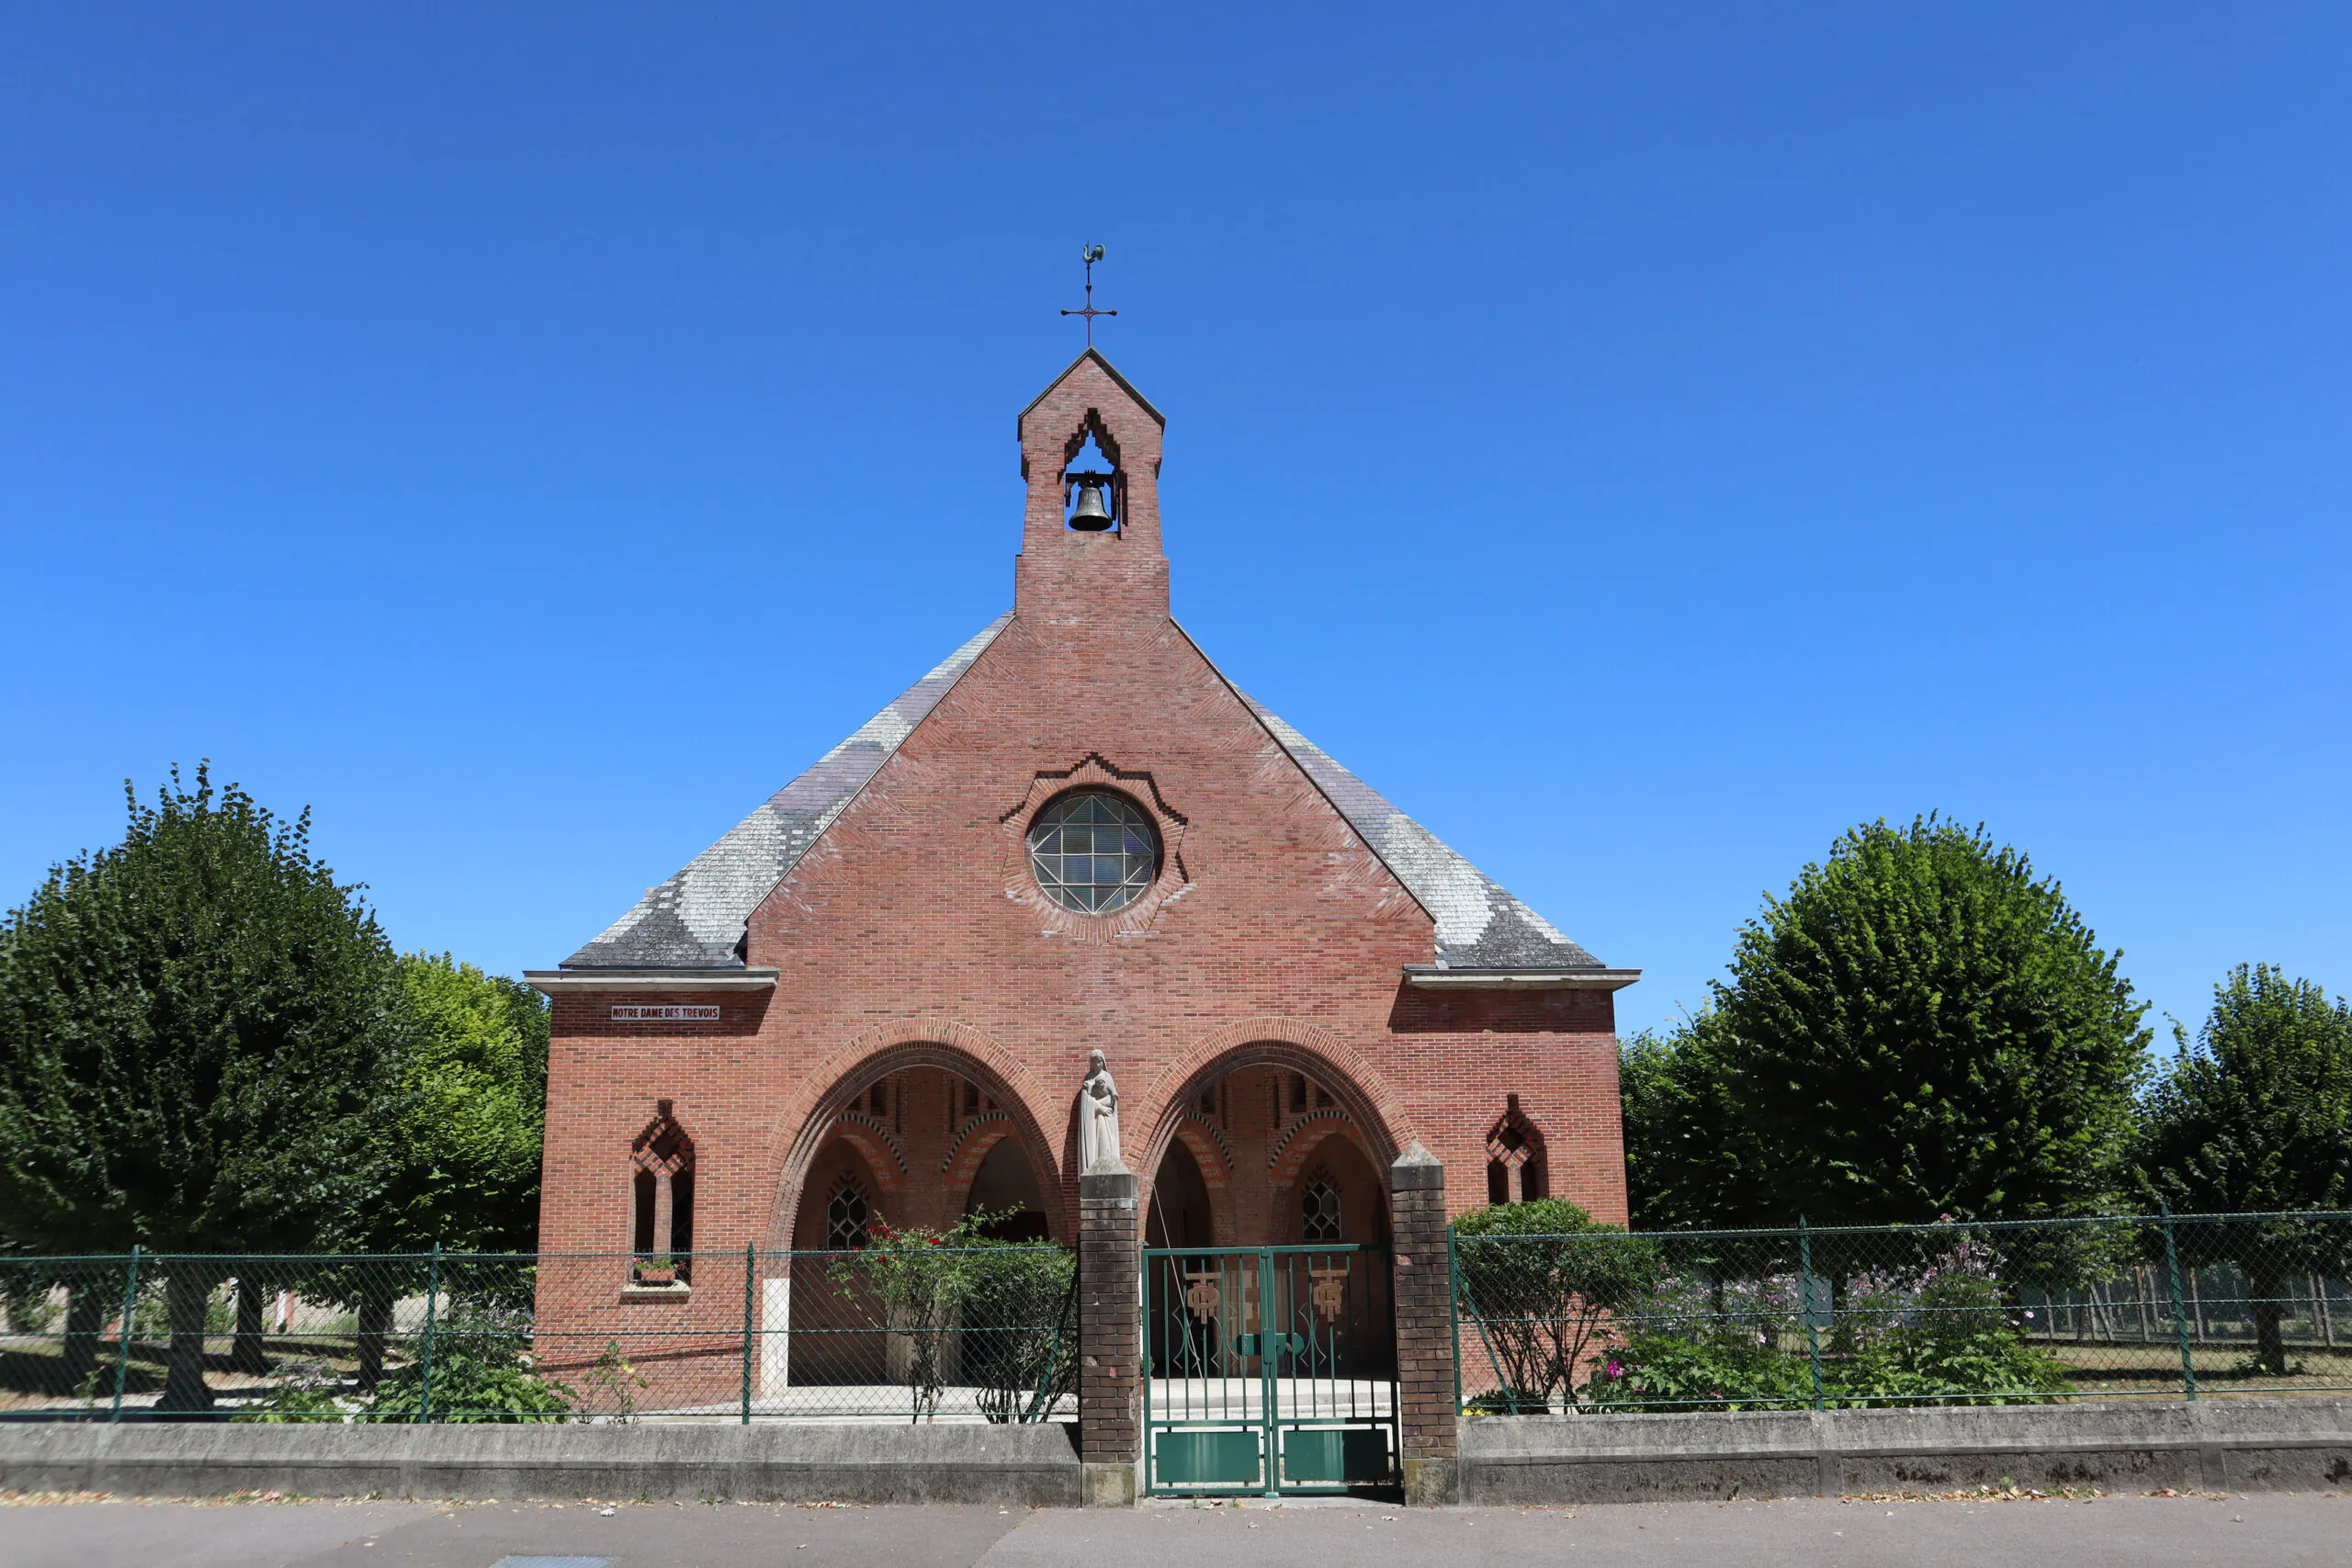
column 1268, row 1368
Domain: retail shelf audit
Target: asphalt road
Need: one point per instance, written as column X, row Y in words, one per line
column 2125, row 1531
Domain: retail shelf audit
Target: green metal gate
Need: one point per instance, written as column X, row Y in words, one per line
column 1268, row 1370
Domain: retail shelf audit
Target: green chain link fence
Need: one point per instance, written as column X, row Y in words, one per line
column 887, row 1333
column 2142, row 1306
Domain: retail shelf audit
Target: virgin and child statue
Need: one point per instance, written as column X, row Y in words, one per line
column 1098, row 1119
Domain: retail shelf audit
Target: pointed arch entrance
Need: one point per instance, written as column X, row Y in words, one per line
column 908, row 1134
column 1268, row 1309
column 927, row 1111
column 1248, row 1118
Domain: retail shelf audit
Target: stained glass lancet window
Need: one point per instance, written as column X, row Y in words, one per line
column 1319, row 1209
column 845, row 1216
column 1094, row 852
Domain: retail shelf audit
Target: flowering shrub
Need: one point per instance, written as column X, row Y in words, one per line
column 1957, row 1291
column 1939, row 1333
column 1546, row 1285
column 932, row 1284
column 1955, row 1345
column 1700, row 1304
column 1730, row 1370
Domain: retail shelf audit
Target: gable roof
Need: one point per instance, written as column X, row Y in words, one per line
column 1108, row 369
column 1479, row 925
column 696, row 919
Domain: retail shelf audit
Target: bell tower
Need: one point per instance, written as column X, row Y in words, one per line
column 1089, row 541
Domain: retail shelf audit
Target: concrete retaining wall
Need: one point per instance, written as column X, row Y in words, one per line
column 2241, row 1445
column 759, row 1463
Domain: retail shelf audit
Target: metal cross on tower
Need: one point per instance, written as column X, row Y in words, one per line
column 1091, row 254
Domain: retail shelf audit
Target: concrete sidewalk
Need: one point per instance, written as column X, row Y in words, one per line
column 2272, row 1530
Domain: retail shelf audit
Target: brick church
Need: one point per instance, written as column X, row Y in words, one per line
column 873, row 1000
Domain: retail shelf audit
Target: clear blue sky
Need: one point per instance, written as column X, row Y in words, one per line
column 1642, row 441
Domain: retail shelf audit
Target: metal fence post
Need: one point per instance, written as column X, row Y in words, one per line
column 432, row 1292
column 1804, row 1286
column 751, row 1263
column 122, row 1337
column 2179, row 1312
column 1454, row 1309
column 1268, row 1363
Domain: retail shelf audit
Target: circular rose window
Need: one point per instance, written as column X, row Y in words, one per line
column 1094, row 852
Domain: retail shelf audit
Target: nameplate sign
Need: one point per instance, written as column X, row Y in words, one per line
column 672, row 1013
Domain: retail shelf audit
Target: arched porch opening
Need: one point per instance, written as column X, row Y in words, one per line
column 833, row 1340
column 1004, row 1189
column 913, row 1137
column 1243, row 1125
column 1295, row 1173
column 1331, row 1194
column 1181, row 1213
column 927, row 1115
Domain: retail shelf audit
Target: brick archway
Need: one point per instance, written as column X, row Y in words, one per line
column 817, row 1112
column 976, row 1144
column 1308, row 1134
column 1209, row 1150
column 874, row 1142
column 1372, row 1106
column 1213, row 1159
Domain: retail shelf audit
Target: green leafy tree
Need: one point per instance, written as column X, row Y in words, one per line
column 2257, row 1119
column 464, row 1153
column 1688, row 1157
column 1923, row 1027
column 200, row 1030
column 461, row 1157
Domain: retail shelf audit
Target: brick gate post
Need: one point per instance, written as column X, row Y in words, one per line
column 1427, row 1426
column 1110, row 1338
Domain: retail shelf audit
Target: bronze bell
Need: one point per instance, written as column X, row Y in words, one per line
column 1090, row 515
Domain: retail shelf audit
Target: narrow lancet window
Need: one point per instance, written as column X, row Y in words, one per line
column 662, row 1238
column 1515, row 1169
column 1319, row 1205
column 847, row 1216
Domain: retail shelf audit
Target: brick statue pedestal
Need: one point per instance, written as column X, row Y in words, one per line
column 1429, row 1428
column 1110, row 1338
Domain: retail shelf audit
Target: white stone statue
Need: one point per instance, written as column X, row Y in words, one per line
column 1098, row 1119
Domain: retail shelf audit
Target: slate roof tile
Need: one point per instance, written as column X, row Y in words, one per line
column 696, row 919
column 1479, row 925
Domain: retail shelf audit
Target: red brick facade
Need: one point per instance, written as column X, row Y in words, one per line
column 1265, row 969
